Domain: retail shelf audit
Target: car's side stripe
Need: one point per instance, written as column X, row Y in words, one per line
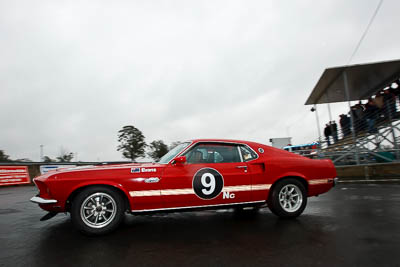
column 169, row 192
column 236, row 188
column 260, row 187
column 190, row 191
column 145, row 193
column 320, row 181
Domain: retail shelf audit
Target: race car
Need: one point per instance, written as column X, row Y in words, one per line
column 198, row 174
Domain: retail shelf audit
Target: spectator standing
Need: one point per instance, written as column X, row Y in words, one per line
column 360, row 120
column 345, row 124
column 390, row 103
column 327, row 133
column 397, row 89
column 357, row 112
column 334, row 131
column 371, row 114
column 379, row 103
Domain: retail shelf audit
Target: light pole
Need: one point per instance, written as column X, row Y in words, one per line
column 41, row 152
column 317, row 118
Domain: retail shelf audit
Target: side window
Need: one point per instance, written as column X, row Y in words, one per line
column 247, row 153
column 213, row 153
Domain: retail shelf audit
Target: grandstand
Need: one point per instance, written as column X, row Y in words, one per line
column 359, row 144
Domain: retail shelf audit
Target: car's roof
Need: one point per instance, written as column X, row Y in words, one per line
column 272, row 151
column 227, row 141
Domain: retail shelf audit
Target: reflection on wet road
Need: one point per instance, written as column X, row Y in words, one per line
column 352, row 225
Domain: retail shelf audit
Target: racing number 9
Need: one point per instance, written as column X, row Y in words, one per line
column 207, row 183
column 210, row 185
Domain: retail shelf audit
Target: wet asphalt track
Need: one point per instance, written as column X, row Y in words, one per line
column 352, row 225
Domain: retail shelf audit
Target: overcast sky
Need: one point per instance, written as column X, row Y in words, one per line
column 72, row 73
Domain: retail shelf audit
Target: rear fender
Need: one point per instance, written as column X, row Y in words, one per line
column 286, row 175
column 291, row 174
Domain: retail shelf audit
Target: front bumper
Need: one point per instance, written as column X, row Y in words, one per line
column 39, row 200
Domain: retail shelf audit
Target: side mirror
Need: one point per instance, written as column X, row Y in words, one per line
column 180, row 160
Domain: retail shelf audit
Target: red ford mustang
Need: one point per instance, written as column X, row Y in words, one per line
column 197, row 174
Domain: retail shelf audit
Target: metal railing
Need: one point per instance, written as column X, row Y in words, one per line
column 373, row 138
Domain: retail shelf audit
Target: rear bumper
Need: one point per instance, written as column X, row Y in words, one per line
column 39, row 200
column 335, row 181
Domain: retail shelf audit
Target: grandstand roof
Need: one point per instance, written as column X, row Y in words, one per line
column 364, row 80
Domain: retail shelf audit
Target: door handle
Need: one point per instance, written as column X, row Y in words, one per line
column 152, row 180
column 242, row 167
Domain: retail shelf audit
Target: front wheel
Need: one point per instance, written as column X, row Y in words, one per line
column 288, row 198
column 97, row 210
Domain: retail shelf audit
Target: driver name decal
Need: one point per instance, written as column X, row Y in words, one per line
column 138, row 170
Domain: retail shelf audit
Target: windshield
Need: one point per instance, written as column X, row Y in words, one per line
column 173, row 152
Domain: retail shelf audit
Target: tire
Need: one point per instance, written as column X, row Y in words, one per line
column 97, row 210
column 288, row 198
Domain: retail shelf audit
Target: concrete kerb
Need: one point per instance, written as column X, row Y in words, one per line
column 369, row 173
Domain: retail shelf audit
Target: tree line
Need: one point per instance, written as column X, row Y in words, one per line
column 63, row 157
column 132, row 144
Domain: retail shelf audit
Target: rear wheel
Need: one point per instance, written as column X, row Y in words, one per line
column 97, row 210
column 288, row 198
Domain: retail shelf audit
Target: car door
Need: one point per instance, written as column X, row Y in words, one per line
column 143, row 185
column 256, row 167
column 213, row 174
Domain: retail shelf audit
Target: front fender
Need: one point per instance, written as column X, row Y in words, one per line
column 82, row 185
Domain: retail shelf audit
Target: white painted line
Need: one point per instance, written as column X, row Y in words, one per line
column 369, row 180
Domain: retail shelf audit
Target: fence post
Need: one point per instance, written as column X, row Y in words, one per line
column 353, row 133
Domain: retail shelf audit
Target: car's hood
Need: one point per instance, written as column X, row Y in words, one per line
column 136, row 167
column 131, row 167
